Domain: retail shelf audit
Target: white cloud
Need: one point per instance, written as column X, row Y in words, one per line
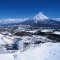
column 10, row 20
column 57, row 19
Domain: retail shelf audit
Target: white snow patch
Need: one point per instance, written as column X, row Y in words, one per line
column 57, row 32
column 33, row 31
column 6, row 57
column 46, row 30
column 40, row 16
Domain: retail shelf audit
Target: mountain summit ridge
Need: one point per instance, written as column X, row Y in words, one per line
column 39, row 20
column 40, row 16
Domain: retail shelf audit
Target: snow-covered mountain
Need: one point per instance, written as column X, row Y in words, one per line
column 40, row 16
column 42, row 20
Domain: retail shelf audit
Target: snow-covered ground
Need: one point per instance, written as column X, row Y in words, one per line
column 47, row 51
column 5, row 39
column 34, row 38
column 57, row 32
column 46, row 30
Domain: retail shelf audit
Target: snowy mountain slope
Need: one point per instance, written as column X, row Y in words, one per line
column 40, row 17
column 39, row 20
column 42, row 20
column 5, row 39
column 47, row 51
column 45, row 23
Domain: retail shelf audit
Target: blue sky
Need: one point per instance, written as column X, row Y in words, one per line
column 28, row 8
